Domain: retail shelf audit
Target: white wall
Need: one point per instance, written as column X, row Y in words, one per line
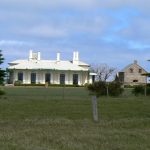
column 55, row 76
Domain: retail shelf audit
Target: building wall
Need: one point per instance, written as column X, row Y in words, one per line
column 55, row 76
column 131, row 77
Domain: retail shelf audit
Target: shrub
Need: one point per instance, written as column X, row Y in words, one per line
column 100, row 88
column 139, row 89
column 2, row 92
column 115, row 89
column 148, row 90
column 148, row 84
column 18, row 83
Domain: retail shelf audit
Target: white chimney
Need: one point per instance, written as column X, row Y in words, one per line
column 30, row 55
column 76, row 57
column 58, row 56
column 39, row 56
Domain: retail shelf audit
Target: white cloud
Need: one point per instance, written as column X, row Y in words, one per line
column 107, row 4
column 64, row 21
column 13, row 43
column 44, row 31
column 137, row 30
column 49, row 4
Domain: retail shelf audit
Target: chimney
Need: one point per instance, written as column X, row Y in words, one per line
column 39, row 56
column 135, row 62
column 58, row 57
column 76, row 57
column 30, row 55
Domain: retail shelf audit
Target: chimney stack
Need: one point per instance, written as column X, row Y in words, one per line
column 58, row 57
column 76, row 57
column 39, row 56
column 135, row 61
column 30, row 55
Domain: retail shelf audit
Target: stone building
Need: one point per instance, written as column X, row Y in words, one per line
column 132, row 75
column 34, row 70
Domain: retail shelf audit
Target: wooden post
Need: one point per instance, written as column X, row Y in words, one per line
column 63, row 91
column 145, row 91
column 107, row 89
column 94, row 107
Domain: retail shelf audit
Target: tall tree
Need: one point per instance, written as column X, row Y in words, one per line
column 103, row 71
column 2, row 72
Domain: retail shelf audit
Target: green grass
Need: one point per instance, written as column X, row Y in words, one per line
column 46, row 119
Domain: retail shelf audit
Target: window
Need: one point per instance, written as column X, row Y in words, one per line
column 48, row 78
column 62, row 78
column 140, row 70
column 20, row 76
column 33, row 77
column 75, row 79
column 131, row 70
column 135, row 80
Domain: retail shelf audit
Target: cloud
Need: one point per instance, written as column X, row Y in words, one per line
column 78, row 4
column 13, row 43
column 51, row 4
column 110, row 31
column 44, row 31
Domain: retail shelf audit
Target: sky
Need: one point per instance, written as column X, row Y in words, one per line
column 115, row 32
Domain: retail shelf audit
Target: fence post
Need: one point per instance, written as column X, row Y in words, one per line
column 94, row 108
column 145, row 90
column 63, row 91
column 107, row 87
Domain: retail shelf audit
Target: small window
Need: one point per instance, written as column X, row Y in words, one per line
column 140, row 70
column 20, row 76
column 135, row 80
column 62, row 78
column 131, row 70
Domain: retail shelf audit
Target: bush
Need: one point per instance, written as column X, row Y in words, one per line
column 148, row 84
column 2, row 92
column 100, row 88
column 139, row 89
column 148, row 90
column 115, row 89
column 18, row 83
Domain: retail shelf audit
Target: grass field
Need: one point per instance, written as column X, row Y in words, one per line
column 61, row 119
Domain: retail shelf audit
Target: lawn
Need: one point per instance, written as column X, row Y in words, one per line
column 61, row 119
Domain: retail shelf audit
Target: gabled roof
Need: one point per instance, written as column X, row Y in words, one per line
column 46, row 64
column 130, row 65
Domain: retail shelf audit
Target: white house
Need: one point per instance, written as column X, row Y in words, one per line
column 34, row 70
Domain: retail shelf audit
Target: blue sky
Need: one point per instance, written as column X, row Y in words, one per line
column 115, row 32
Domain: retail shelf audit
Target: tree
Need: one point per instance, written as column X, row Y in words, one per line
column 103, row 71
column 2, row 72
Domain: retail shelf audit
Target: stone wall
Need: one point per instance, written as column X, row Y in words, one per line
column 133, row 75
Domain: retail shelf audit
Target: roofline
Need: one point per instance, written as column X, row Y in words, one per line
column 47, row 69
column 129, row 67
